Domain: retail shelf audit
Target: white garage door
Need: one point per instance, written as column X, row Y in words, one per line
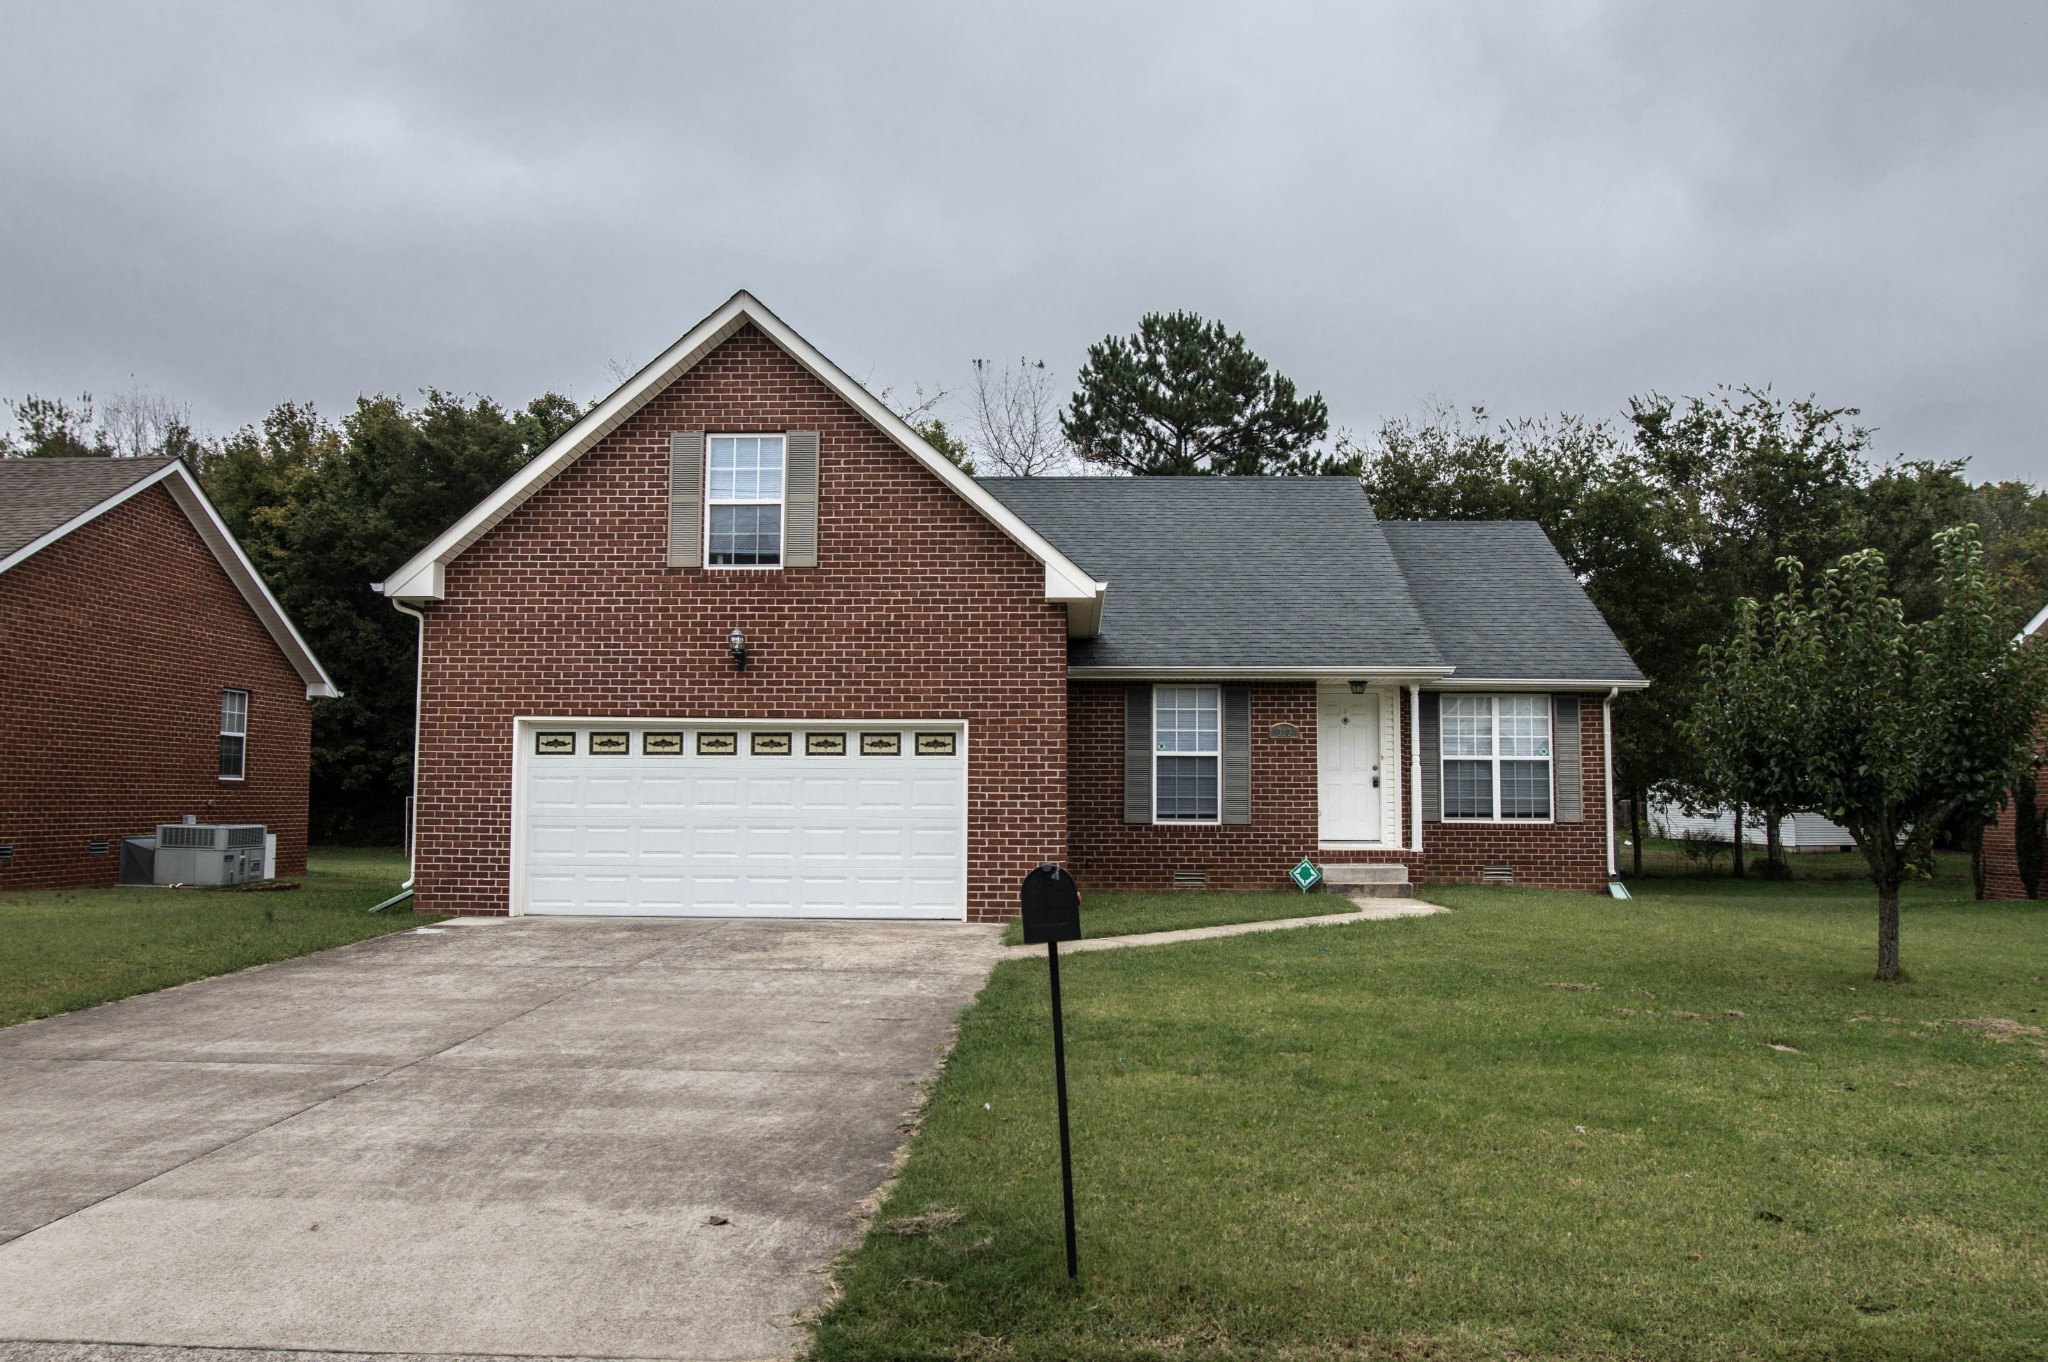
column 739, row 820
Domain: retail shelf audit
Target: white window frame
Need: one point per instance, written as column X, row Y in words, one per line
column 780, row 503
column 242, row 732
column 1494, row 760
column 1215, row 754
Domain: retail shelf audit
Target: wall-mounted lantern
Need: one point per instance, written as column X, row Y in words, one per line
column 738, row 645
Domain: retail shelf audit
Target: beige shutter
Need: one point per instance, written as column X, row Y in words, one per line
column 1138, row 754
column 800, row 499
column 1237, row 754
column 1566, row 765
column 686, row 499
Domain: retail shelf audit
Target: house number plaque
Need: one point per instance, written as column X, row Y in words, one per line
column 1284, row 733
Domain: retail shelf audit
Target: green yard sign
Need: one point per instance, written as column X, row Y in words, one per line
column 1305, row 875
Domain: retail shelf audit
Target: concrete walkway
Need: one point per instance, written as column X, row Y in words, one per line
column 501, row 1140
column 1369, row 910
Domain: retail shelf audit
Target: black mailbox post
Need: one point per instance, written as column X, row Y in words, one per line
column 1052, row 914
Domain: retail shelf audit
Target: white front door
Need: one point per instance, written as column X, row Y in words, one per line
column 1348, row 766
column 745, row 819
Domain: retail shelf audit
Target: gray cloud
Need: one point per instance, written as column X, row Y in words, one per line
column 1536, row 209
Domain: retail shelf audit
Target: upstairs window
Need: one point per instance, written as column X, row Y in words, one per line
column 743, row 501
column 234, row 733
column 1496, row 757
column 1187, row 748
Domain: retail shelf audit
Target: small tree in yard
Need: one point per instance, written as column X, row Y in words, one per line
column 1828, row 700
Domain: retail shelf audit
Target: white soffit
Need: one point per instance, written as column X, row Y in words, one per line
column 423, row 577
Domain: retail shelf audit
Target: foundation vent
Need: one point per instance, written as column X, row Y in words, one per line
column 1190, row 879
column 1497, row 874
column 6, row 851
column 96, row 847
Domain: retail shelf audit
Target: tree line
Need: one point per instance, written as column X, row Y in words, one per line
column 1673, row 513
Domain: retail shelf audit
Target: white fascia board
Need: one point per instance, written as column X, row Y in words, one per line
column 199, row 510
column 220, row 541
column 86, row 517
column 2033, row 625
column 1387, row 675
column 1065, row 581
column 1536, row 683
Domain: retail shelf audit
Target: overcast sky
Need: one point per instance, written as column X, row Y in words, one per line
column 1534, row 208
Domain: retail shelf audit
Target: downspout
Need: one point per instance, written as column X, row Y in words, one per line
column 1415, row 763
column 1607, row 777
column 419, row 669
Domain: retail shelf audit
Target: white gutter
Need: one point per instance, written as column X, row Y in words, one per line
column 1415, row 761
column 419, row 670
column 1607, row 776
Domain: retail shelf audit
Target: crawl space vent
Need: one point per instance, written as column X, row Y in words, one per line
column 1498, row 874
column 1190, row 879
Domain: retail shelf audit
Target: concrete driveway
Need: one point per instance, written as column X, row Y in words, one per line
column 499, row 1139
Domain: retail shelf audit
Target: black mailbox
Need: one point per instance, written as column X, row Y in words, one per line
column 1052, row 906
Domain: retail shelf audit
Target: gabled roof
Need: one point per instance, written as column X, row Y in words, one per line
column 41, row 495
column 1245, row 576
column 42, row 500
column 1503, row 606
column 423, row 577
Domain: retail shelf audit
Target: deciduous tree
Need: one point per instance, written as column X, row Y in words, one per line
column 1829, row 699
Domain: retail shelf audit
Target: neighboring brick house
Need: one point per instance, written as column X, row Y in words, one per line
column 741, row 643
column 2002, row 875
column 148, row 673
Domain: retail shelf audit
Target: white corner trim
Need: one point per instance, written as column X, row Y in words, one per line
column 214, row 533
column 1415, row 762
column 422, row 578
column 1607, row 778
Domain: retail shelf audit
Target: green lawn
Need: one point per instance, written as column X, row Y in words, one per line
column 1407, row 1139
column 70, row 948
column 1106, row 914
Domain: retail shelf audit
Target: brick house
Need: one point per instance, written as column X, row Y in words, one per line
column 148, row 672
column 741, row 643
column 2002, row 877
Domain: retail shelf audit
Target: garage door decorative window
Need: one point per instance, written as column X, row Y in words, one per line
column 661, row 744
column 718, row 744
column 771, row 745
column 824, row 744
column 554, row 744
column 936, row 744
column 881, row 744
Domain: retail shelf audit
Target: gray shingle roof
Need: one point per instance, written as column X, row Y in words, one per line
column 1502, row 605
column 1230, row 572
column 38, row 495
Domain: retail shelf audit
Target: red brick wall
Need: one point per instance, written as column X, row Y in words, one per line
column 115, row 644
column 2001, row 849
column 918, row 608
column 1112, row 854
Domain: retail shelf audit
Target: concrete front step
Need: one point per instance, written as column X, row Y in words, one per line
column 1344, row 876
column 1375, row 891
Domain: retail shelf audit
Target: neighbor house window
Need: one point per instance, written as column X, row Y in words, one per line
column 1496, row 757
column 234, row 733
column 743, row 502
column 1186, row 740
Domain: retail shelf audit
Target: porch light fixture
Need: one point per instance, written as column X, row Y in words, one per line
column 1358, row 687
column 738, row 645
